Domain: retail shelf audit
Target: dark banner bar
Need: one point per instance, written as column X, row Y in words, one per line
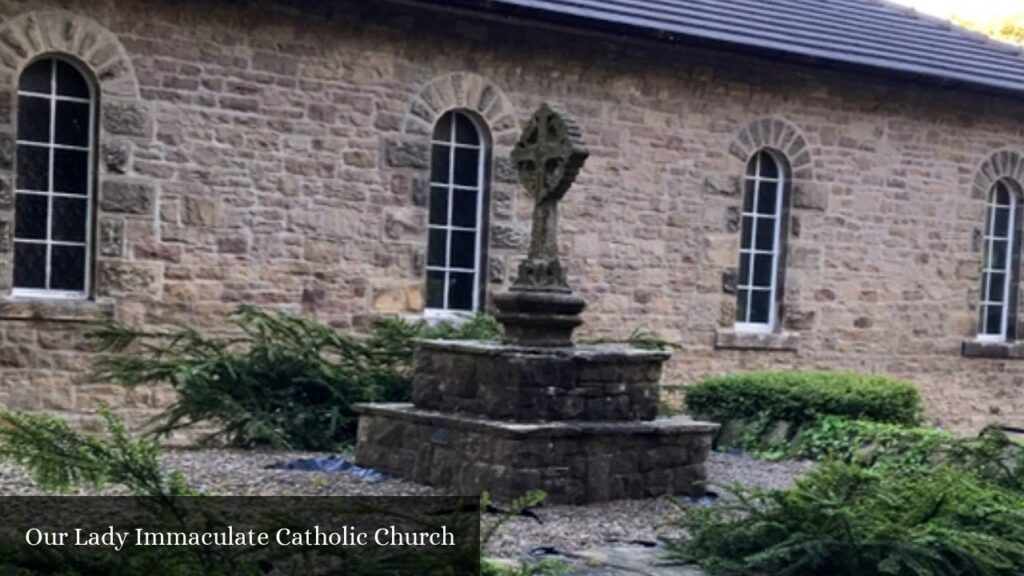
column 243, row 536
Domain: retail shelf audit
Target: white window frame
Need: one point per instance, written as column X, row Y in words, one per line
column 756, row 179
column 53, row 98
column 446, row 313
column 1007, row 270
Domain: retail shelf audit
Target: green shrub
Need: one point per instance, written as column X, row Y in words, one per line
column 280, row 380
column 868, row 442
column 992, row 456
column 60, row 459
column 845, row 520
column 803, row 396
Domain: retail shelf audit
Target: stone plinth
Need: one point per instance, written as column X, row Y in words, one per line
column 507, row 382
column 574, row 462
column 539, row 318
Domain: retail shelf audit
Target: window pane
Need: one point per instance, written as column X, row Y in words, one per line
column 748, row 226
column 435, row 289
column 67, row 268
column 69, row 219
column 763, row 270
column 72, row 126
column 752, row 166
column 765, row 234
column 464, row 210
column 439, row 164
column 760, row 305
column 1002, row 195
column 767, row 197
column 748, row 195
column 33, row 168
column 465, row 131
column 443, row 130
column 997, row 258
column 769, row 169
column 1002, row 222
column 33, row 119
column 744, row 269
column 437, row 247
column 30, row 217
column 438, row 205
column 71, row 171
column 38, row 77
column 460, row 291
column 467, row 166
column 994, row 320
column 463, row 249
column 70, row 82
column 996, row 286
column 29, row 265
column 741, row 305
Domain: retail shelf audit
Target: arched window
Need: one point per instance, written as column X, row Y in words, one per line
column 457, row 214
column 761, row 244
column 998, row 278
column 53, row 190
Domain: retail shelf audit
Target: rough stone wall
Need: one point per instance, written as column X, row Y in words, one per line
column 255, row 152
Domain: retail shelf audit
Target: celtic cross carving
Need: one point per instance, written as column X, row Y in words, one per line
column 548, row 158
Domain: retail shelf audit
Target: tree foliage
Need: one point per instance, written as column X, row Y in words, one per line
column 279, row 380
column 846, row 520
column 1008, row 29
column 59, row 459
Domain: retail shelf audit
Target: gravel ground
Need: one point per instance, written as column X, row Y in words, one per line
column 574, row 528
column 569, row 528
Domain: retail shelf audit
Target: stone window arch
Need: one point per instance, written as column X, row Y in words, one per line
column 462, row 91
column 458, row 213
column 53, row 193
column 763, row 229
column 119, row 121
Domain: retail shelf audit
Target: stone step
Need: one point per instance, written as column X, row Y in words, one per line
column 574, row 462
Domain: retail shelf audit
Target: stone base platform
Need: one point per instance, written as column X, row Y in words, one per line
column 574, row 462
column 535, row 384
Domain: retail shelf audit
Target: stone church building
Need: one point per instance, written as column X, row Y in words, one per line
column 812, row 184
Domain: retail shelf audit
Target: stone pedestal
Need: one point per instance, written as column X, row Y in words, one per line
column 577, row 422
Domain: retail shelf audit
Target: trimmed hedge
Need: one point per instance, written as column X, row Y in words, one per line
column 804, row 396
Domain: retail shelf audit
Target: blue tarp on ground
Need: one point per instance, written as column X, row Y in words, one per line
column 331, row 464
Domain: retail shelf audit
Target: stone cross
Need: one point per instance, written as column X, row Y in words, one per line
column 548, row 157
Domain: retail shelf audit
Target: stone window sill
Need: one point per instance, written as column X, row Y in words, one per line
column 55, row 310
column 728, row 339
column 1005, row 350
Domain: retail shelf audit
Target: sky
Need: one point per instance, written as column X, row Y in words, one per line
column 977, row 10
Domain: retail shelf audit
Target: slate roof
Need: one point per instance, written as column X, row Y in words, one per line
column 861, row 33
